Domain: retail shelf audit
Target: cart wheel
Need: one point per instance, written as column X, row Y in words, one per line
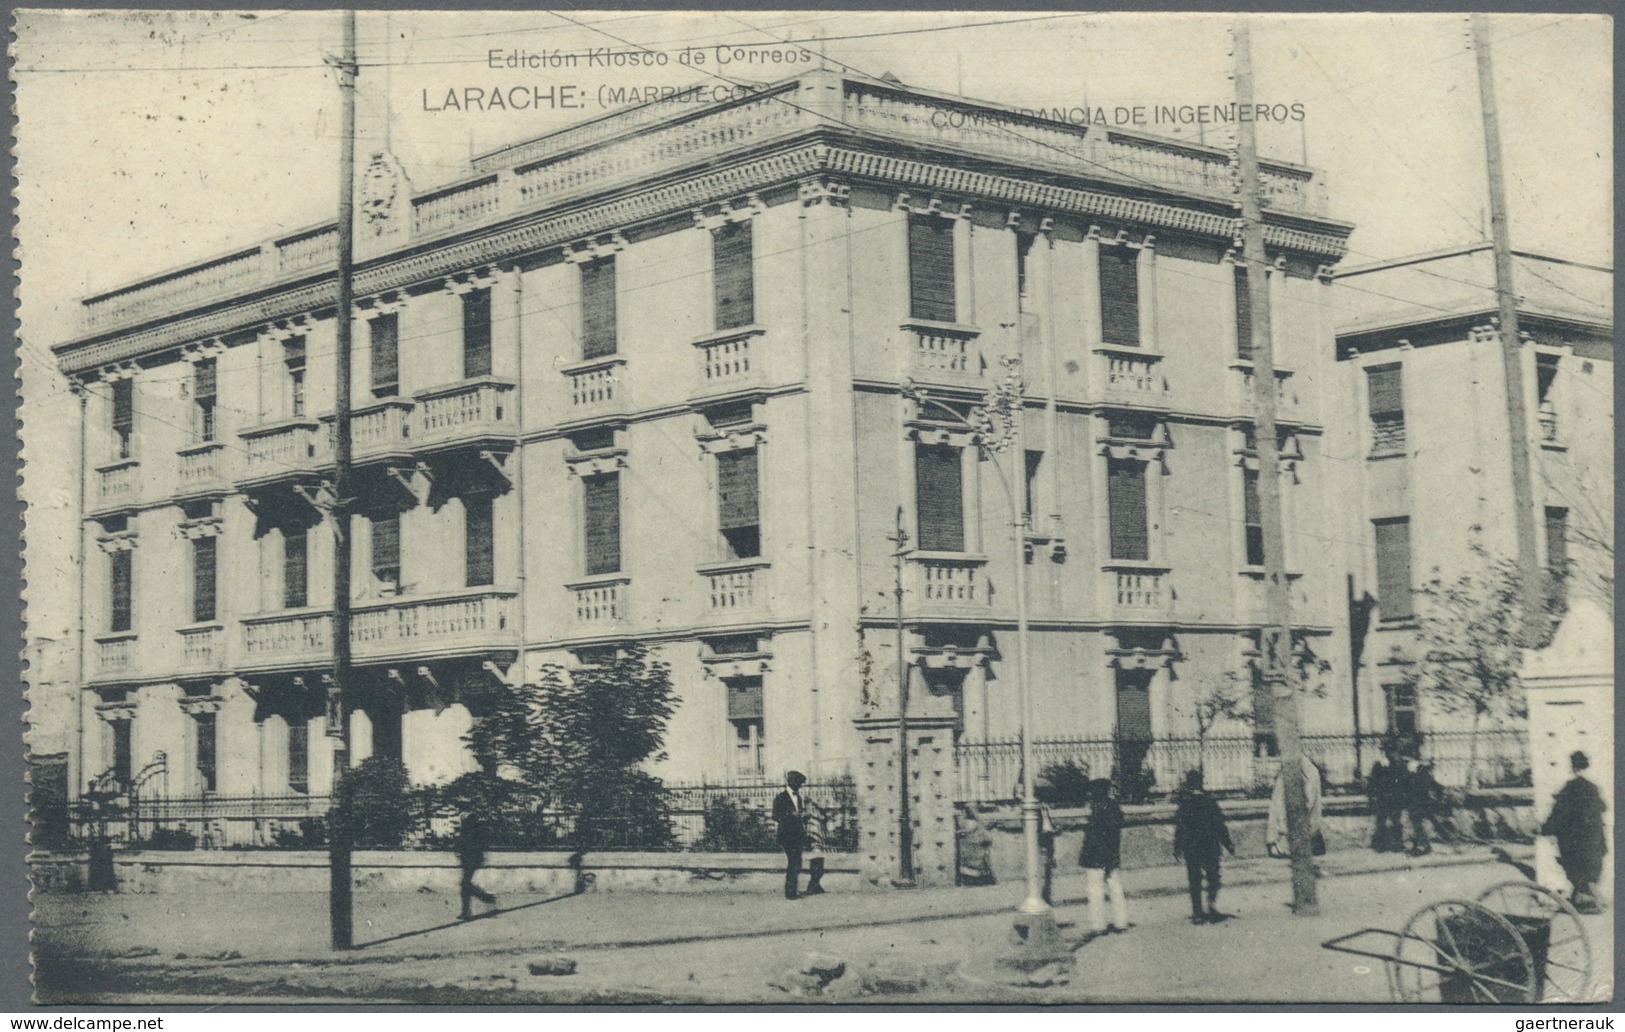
column 1455, row 951
column 1552, row 930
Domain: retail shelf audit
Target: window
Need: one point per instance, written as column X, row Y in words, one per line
column 1029, row 503
column 1120, row 296
column 479, row 563
column 1394, row 568
column 204, row 728
column 477, row 333
column 940, row 498
column 1557, row 541
column 122, row 753
column 203, row 578
column 737, row 487
column 1401, row 702
column 119, row 617
column 1131, row 426
column 204, row 388
column 601, row 509
column 1024, row 282
column 931, row 268
column 1386, row 388
column 386, row 551
column 1133, row 689
column 124, row 417
column 1125, row 503
column 386, row 360
column 295, row 565
column 734, row 283
column 293, row 357
column 1264, row 740
column 1244, row 316
column 598, row 308
column 1250, row 518
column 1545, row 377
column 298, row 754
column 745, row 719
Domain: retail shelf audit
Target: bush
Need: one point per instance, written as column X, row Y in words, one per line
column 171, row 838
column 379, row 798
column 1069, row 784
column 509, row 808
column 731, row 827
column 310, row 834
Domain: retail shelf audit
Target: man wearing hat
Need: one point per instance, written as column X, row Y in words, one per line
column 790, row 811
column 1576, row 823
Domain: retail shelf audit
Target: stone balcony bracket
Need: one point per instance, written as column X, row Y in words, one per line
column 823, row 190
column 122, row 541
column 722, row 439
column 113, row 712
column 714, row 216
column 950, row 657
column 748, row 664
column 1048, row 546
column 579, row 252
column 201, row 350
column 1142, row 659
column 596, row 463
column 198, row 705
column 281, row 330
column 209, row 526
column 1147, row 451
column 925, row 431
column 389, row 302
column 480, row 278
column 934, row 204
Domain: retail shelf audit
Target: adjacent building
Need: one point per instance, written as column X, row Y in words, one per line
column 704, row 377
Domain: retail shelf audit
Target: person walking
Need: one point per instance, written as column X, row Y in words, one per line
column 473, row 838
column 1199, row 831
column 789, row 811
column 1582, row 842
column 1102, row 858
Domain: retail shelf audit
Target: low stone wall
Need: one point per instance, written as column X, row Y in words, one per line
column 266, row 871
column 1148, row 837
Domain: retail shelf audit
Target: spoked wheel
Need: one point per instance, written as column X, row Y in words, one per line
column 1460, row 952
column 1551, row 928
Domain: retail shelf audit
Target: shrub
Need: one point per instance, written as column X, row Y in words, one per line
column 171, row 838
column 1068, row 784
column 731, row 827
column 380, row 802
column 310, row 834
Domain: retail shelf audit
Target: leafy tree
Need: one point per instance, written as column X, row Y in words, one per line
column 579, row 738
column 379, row 797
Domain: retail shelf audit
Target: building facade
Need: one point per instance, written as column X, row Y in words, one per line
column 706, row 378
column 1421, row 427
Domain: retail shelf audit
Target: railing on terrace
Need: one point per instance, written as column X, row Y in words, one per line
column 404, row 626
column 202, row 466
column 1237, row 765
column 470, row 409
column 118, row 483
column 1124, row 373
column 737, row 587
column 948, row 582
column 710, row 818
column 943, row 353
column 203, row 648
column 730, row 361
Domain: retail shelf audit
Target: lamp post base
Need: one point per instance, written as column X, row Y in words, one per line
column 1037, row 943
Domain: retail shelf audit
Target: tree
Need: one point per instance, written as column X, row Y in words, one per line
column 1228, row 700
column 1470, row 647
column 579, row 738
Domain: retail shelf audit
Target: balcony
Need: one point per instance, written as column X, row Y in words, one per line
column 1253, row 605
column 1131, row 375
column 201, row 469
column 597, row 387
column 1138, row 591
column 466, row 622
column 947, row 585
column 1286, row 395
column 468, row 413
column 115, row 656
column 738, row 587
column 378, row 432
column 288, row 448
column 118, row 486
column 203, row 648
column 944, row 354
column 731, row 361
column 1387, row 437
column 600, row 603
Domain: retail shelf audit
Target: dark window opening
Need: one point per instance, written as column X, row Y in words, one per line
column 601, row 509
column 1134, row 426
column 124, row 416
column 1387, row 406
column 931, row 268
column 204, row 388
column 745, row 719
column 1394, row 568
column 739, row 503
column 1126, row 505
column 598, row 308
column 1024, row 248
column 477, row 333
column 122, row 587
column 1401, row 703
column 732, row 251
column 386, row 358
column 1545, row 377
column 295, row 568
column 479, row 538
column 939, row 498
column 203, row 578
column 1133, row 693
column 1029, row 505
column 205, row 729
column 122, row 753
column 293, row 355
column 299, row 754
column 1244, row 316
column 386, row 731
column 1120, row 296
column 386, row 551
column 1251, row 519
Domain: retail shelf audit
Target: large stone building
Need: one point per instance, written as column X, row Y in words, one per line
column 1419, row 423
column 645, row 379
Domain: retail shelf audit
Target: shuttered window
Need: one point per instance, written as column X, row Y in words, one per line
column 940, row 498
column 1133, row 705
column 1401, row 700
column 298, row 754
column 732, row 253
column 739, row 505
column 386, row 361
column 124, row 416
column 1244, row 316
column 1250, row 518
column 205, row 730
column 295, row 555
column 1394, row 568
column 203, row 578
column 1120, row 296
column 931, row 268
column 1029, row 505
column 479, row 541
column 1131, row 426
column 293, row 356
column 122, row 752
column 386, row 549
column 1387, row 392
column 477, row 333
column 1125, row 500
column 1557, row 543
column 204, row 388
column 744, row 697
column 601, row 509
column 120, row 584
column 598, row 308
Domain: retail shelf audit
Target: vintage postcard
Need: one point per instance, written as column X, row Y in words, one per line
column 614, row 507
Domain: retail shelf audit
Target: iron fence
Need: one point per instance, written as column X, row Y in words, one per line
column 1241, row 765
column 710, row 818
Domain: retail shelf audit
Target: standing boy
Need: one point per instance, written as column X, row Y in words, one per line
column 1199, row 831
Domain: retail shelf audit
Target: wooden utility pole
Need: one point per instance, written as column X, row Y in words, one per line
column 1523, row 501
column 1275, row 637
column 905, row 816
column 339, row 903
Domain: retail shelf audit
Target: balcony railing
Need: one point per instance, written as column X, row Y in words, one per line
column 943, row 353
column 288, row 448
column 1129, row 374
column 472, row 410
column 1286, row 398
column 455, row 206
column 115, row 654
column 202, row 467
column 600, row 603
column 737, row 587
column 1138, row 589
column 203, row 648
column 1255, row 603
column 379, row 430
column 597, row 386
column 949, row 583
column 730, row 361
column 1388, row 436
column 118, row 484
column 474, row 620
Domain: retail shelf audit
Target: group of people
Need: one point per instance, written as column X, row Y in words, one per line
column 1401, row 789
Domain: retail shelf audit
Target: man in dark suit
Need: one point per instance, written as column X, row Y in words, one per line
column 790, row 811
column 1199, row 832
column 1582, row 842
